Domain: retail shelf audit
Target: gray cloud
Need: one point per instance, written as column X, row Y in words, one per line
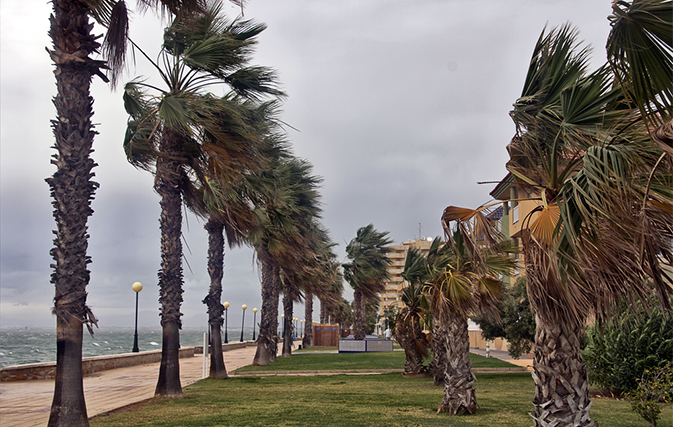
column 401, row 107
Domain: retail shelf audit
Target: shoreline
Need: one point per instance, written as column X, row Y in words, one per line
column 93, row 364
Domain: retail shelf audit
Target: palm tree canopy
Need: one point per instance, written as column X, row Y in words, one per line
column 367, row 270
column 460, row 283
column 585, row 150
column 414, row 266
column 640, row 53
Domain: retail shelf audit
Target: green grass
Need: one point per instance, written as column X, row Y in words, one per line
column 355, row 400
column 355, row 361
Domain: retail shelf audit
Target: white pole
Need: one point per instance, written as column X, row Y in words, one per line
column 205, row 355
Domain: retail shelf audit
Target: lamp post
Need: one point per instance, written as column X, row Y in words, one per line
column 301, row 325
column 254, row 322
column 226, row 311
column 244, row 307
column 137, row 287
column 282, row 324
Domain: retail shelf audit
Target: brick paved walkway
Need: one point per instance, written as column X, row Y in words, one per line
column 27, row 403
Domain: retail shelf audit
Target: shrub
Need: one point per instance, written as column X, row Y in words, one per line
column 620, row 352
column 654, row 388
column 517, row 320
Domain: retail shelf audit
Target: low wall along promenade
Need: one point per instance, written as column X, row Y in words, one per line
column 90, row 365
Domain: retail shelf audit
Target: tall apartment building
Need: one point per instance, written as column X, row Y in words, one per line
column 398, row 254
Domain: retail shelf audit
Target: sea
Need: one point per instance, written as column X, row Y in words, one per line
column 30, row 345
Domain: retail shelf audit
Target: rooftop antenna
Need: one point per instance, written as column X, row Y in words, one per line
column 419, row 231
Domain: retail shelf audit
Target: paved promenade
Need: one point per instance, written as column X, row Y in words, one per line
column 27, row 403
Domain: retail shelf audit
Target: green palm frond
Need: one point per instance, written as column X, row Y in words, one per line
column 640, row 52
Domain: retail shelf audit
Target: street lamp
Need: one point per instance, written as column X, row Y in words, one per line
column 137, row 287
column 244, row 307
column 301, row 325
column 226, row 311
column 282, row 324
column 254, row 322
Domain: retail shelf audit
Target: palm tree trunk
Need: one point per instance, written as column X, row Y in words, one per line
column 268, row 324
column 561, row 382
column 459, row 393
column 438, row 365
column 307, row 342
column 213, row 299
column 288, row 329
column 168, row 183
column 72, row 191
column 407, row 333
column 68, row 407
column 323, row 311
column 359, row 315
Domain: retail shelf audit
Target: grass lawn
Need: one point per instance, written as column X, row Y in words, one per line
column 353, row 361
column 353, row 400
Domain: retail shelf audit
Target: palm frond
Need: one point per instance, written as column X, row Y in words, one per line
column 640, row 52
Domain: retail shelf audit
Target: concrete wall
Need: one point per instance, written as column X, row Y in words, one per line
column 90, row 365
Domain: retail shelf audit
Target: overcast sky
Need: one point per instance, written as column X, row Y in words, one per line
column 400, row 105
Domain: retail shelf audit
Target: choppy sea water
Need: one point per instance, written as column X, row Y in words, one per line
column 22, row 346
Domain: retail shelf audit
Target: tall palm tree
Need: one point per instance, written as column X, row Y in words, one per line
column 435, row 262
column 178, row 126
column 227, row 209
column 224, row 211
column 367, row 271
column 331, row 297
column 71, row 186
column 587, row 149
column 287, row 205
column 411, row 319
column 324, row 273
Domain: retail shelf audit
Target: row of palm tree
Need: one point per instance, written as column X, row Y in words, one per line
column 72, row 187
column 222, row 156
column 227, row 159
column 594, row 150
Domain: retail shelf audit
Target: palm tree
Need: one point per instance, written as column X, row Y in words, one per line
column 409, row 322
column 331, row 297
column 225, row 211
column 71, row 186
column 324, row 273
column 181, row 125
column 587, row 149
column 468, row 282
column 367, row 271
column 287, row 206
column 435, row 262
column 227, row 208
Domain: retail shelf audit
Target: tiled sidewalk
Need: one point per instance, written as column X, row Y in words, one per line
column 27, row 403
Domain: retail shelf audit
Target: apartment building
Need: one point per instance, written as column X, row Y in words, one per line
column 390, row 298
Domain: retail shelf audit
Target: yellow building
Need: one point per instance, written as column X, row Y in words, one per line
column 516, row 207
column 391, row 297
